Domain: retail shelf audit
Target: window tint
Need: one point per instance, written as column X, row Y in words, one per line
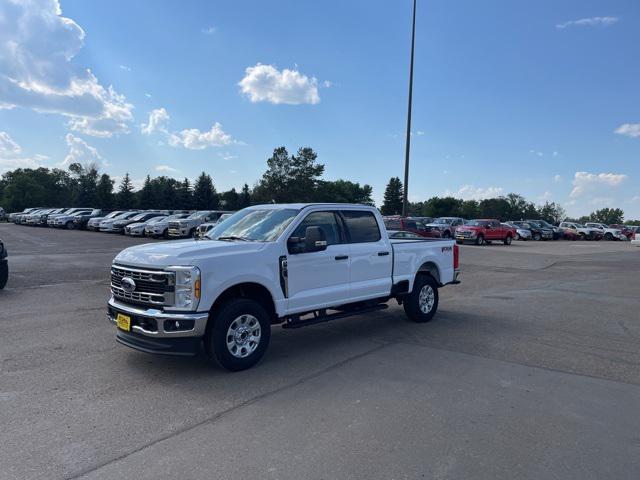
column 362, row 226
column 326, row 221
column 392, row 224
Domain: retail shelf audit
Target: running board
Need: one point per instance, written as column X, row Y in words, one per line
column 295, row 322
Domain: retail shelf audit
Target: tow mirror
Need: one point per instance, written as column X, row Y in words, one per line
column 315, row 240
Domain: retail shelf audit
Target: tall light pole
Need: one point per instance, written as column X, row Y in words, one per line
column 408, row 144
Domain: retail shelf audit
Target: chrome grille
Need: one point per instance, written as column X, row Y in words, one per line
column 153, row 287
column 174, row 225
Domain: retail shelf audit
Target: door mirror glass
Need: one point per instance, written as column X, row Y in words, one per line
column 314, row 240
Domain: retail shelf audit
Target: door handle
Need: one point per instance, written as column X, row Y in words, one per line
column 341, row 257
column 382, row 254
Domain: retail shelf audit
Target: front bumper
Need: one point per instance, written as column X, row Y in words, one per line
column 151, row 329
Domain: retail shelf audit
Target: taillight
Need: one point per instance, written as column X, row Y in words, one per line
column 456, row 257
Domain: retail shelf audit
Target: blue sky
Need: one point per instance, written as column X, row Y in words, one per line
column 540, row 98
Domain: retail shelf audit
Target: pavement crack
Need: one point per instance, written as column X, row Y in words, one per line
column 218, row 416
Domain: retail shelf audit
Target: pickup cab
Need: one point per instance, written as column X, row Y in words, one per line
column 483, row 231
column 289, row 264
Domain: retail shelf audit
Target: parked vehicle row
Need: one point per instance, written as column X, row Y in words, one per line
column 150, row 223
column 487, row 230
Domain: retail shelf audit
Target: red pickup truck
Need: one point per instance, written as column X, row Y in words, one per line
column 485, row 231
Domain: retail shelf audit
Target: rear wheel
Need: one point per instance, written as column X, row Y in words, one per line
column 239, row 335
column 537, row 236
column 507, row 240
column 422, row 303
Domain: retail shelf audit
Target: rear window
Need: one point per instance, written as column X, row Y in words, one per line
column 362, row 226
column 392, row 224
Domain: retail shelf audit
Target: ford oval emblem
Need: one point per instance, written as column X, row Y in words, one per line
column 128, row 285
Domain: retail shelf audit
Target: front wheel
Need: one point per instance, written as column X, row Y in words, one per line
column 4, row 273
column 421, row 305
column 240, row 334
column 70, row 225
column 507, row 240
column 537, row 237
column 480, row 240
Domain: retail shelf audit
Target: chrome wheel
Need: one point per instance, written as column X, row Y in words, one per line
column 243, row 336
column 426, row 299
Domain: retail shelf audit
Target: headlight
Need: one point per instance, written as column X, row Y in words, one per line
column 187, row 288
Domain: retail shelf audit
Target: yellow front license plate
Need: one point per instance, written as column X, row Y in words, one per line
column 123, row 322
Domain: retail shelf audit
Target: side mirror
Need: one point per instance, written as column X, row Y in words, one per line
column 315, row 240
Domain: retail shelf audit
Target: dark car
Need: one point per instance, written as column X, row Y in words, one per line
column 4, row 266
column 409, row 225
column 557, row 231
column 538, row 232
column 80, row 221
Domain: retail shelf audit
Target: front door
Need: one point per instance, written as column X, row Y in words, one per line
column 319, row 279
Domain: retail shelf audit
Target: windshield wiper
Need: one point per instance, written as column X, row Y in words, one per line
column 231, row 237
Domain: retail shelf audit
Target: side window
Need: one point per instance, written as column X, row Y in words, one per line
column 411, row 225
column 326, row 221
column 496, row 224
column 362, row 226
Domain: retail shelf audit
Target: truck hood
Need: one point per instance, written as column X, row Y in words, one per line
column 183, row 252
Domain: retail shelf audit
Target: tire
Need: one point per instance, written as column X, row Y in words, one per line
column 446, row 234
column 518, row 237
column 507, row 240
column 4, row 273
column 537, row 237
column 165, row 234
column 69, row 226
column 480, row 240
column 608, row 236
column 192, row 233
column 582, row 236
column 422, row 303
column 233, row 354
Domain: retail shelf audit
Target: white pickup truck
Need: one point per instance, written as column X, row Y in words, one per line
column 289, row 264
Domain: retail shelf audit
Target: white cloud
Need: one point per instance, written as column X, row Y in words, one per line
column 147, row 94
column 37, row 46
column 125, row 68
column 265, row 83
column 545, row 196
column 537, row 153
column 589, row 22
column 469, row 192
column 227, row 156
column 194, row 139
column 9, row 151
column 557, row 178
column 327, row 84
column 81, row 152
column 165, row 168
column 158, row 122
column 208, row 30
column 8, row 146
column 593, row 183
column 190, row 138
column 629, row 129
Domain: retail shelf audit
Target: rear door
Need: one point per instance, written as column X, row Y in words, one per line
column 369, row 254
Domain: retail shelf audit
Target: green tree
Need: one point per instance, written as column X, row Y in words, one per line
column 245, row 196
column 104, row 192
column 343, row 191
column 230, row 200
column 185, row 195
column 392, row 204
column 552, row 212
column 125, row 197
column 146, row 195
column 607, row 216
column 204, row 193
column 290, row 178
column 442, row 207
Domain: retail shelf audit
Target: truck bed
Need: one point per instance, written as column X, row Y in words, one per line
column 409, row 255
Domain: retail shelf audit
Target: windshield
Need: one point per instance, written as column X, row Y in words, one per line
column 478, row 223
column 443, row 220
column 157, row 219
column 113, row 214
column 260, row 225
column 578, row 225
column 197, row 215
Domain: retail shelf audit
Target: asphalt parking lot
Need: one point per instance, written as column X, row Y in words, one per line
column 531, row 369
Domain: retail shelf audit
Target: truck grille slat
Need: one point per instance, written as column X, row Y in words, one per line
column 152, row 287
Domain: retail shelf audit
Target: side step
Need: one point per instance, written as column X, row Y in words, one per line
column 295, row 322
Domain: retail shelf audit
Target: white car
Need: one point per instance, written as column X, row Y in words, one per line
column 108, row 224
column 66, row 220
column 205, row 228
column 94, row 223
column 521, row 233
column 161, row 228
column 607, row 232
column 137, row 229
column 585, row 233
column 635, row 238
column 291, row 264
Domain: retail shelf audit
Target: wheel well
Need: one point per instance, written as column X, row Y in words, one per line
column 431, row 269
column 253, row 291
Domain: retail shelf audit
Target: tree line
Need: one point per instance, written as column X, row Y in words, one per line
column 288, row 178
column 508, row 207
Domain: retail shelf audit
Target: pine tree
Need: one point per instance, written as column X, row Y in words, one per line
column 245, row 197
column 392, row 204
column 185, row 195
column 146, row 197
column 204, row 193
column 105, row 192
column 125, row 198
